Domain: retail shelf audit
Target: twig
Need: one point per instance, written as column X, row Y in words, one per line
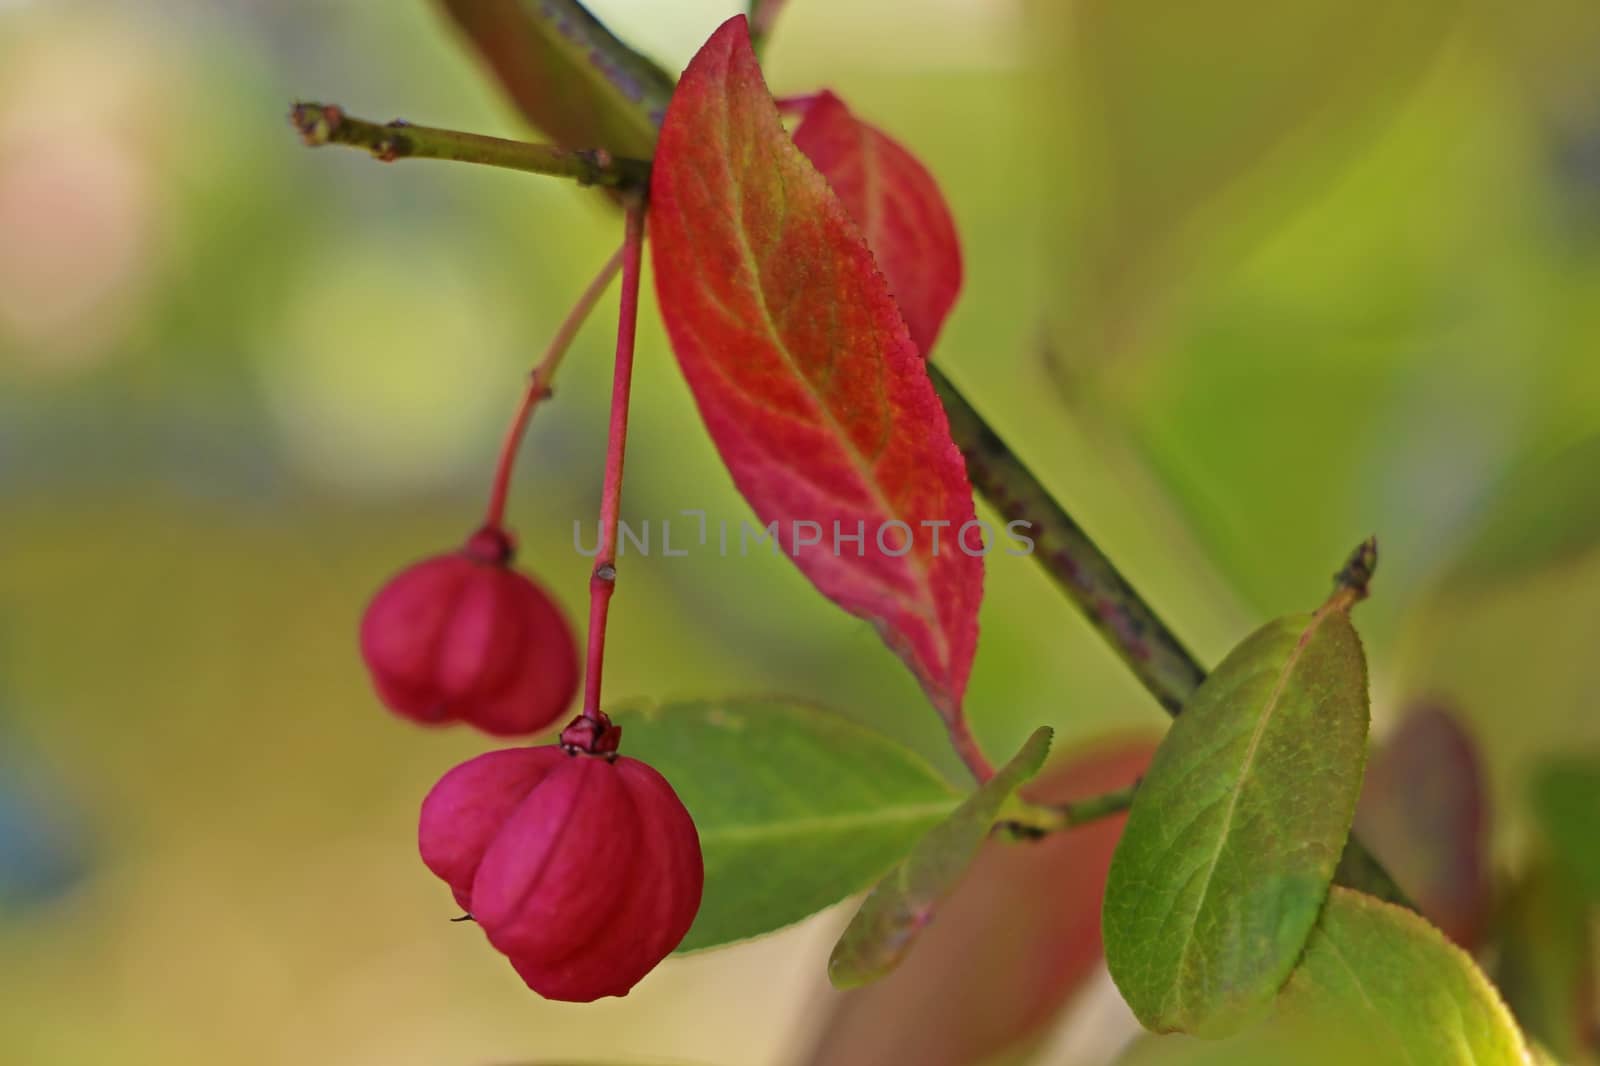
column 1090, row 580
column 321, row 124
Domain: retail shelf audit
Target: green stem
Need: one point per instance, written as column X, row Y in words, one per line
column 1032, row 820
column 321, row 124
column 1090, row 580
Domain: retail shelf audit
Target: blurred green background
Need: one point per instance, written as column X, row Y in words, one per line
column 1245, row 283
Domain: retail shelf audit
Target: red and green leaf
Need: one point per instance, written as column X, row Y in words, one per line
column 897, row 204
column 803, row 370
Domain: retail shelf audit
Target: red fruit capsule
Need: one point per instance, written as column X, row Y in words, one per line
column 464, row 637
column 581, row 866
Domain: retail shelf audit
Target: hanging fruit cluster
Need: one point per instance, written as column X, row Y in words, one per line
column 579, row 864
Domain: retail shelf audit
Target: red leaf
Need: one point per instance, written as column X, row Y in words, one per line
column 804, row 373
column 1012, row 943
column 897, row 204
column 1424, row 814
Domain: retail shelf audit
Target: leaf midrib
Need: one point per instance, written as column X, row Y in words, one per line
column 1267, row 713
column 924, row 607
column 878, row 817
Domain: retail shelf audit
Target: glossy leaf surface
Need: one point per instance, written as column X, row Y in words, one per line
column 804, row 373
column 797, row 807
column 1236, row 830
column 905, row 901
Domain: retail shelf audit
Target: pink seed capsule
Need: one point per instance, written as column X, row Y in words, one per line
column 464, row 637
column 582, row 866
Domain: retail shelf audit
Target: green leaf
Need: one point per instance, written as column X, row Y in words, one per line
column 883, row 930
column 1278, row 1043
column 567, row 73
column 1237, row 828
column 1381, row 971
column 797, row 807
column 1378, row 986
column 1566, row 799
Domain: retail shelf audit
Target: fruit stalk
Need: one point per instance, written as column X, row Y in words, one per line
column 603, row 579
column 538, row 389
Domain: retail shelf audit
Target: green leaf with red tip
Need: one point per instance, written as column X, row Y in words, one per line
column 1236, row 830
column 1380, row 971
column 797, row 807
column 888, row 922
column 1018, row 937
column 898, row 206
column 568, row 75
column 1424, row 813
column 804, row 373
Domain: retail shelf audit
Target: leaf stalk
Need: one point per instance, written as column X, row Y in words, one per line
column 1030, row 821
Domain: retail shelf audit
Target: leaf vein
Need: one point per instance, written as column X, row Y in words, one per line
column 1267, row 712
column 883, row 816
